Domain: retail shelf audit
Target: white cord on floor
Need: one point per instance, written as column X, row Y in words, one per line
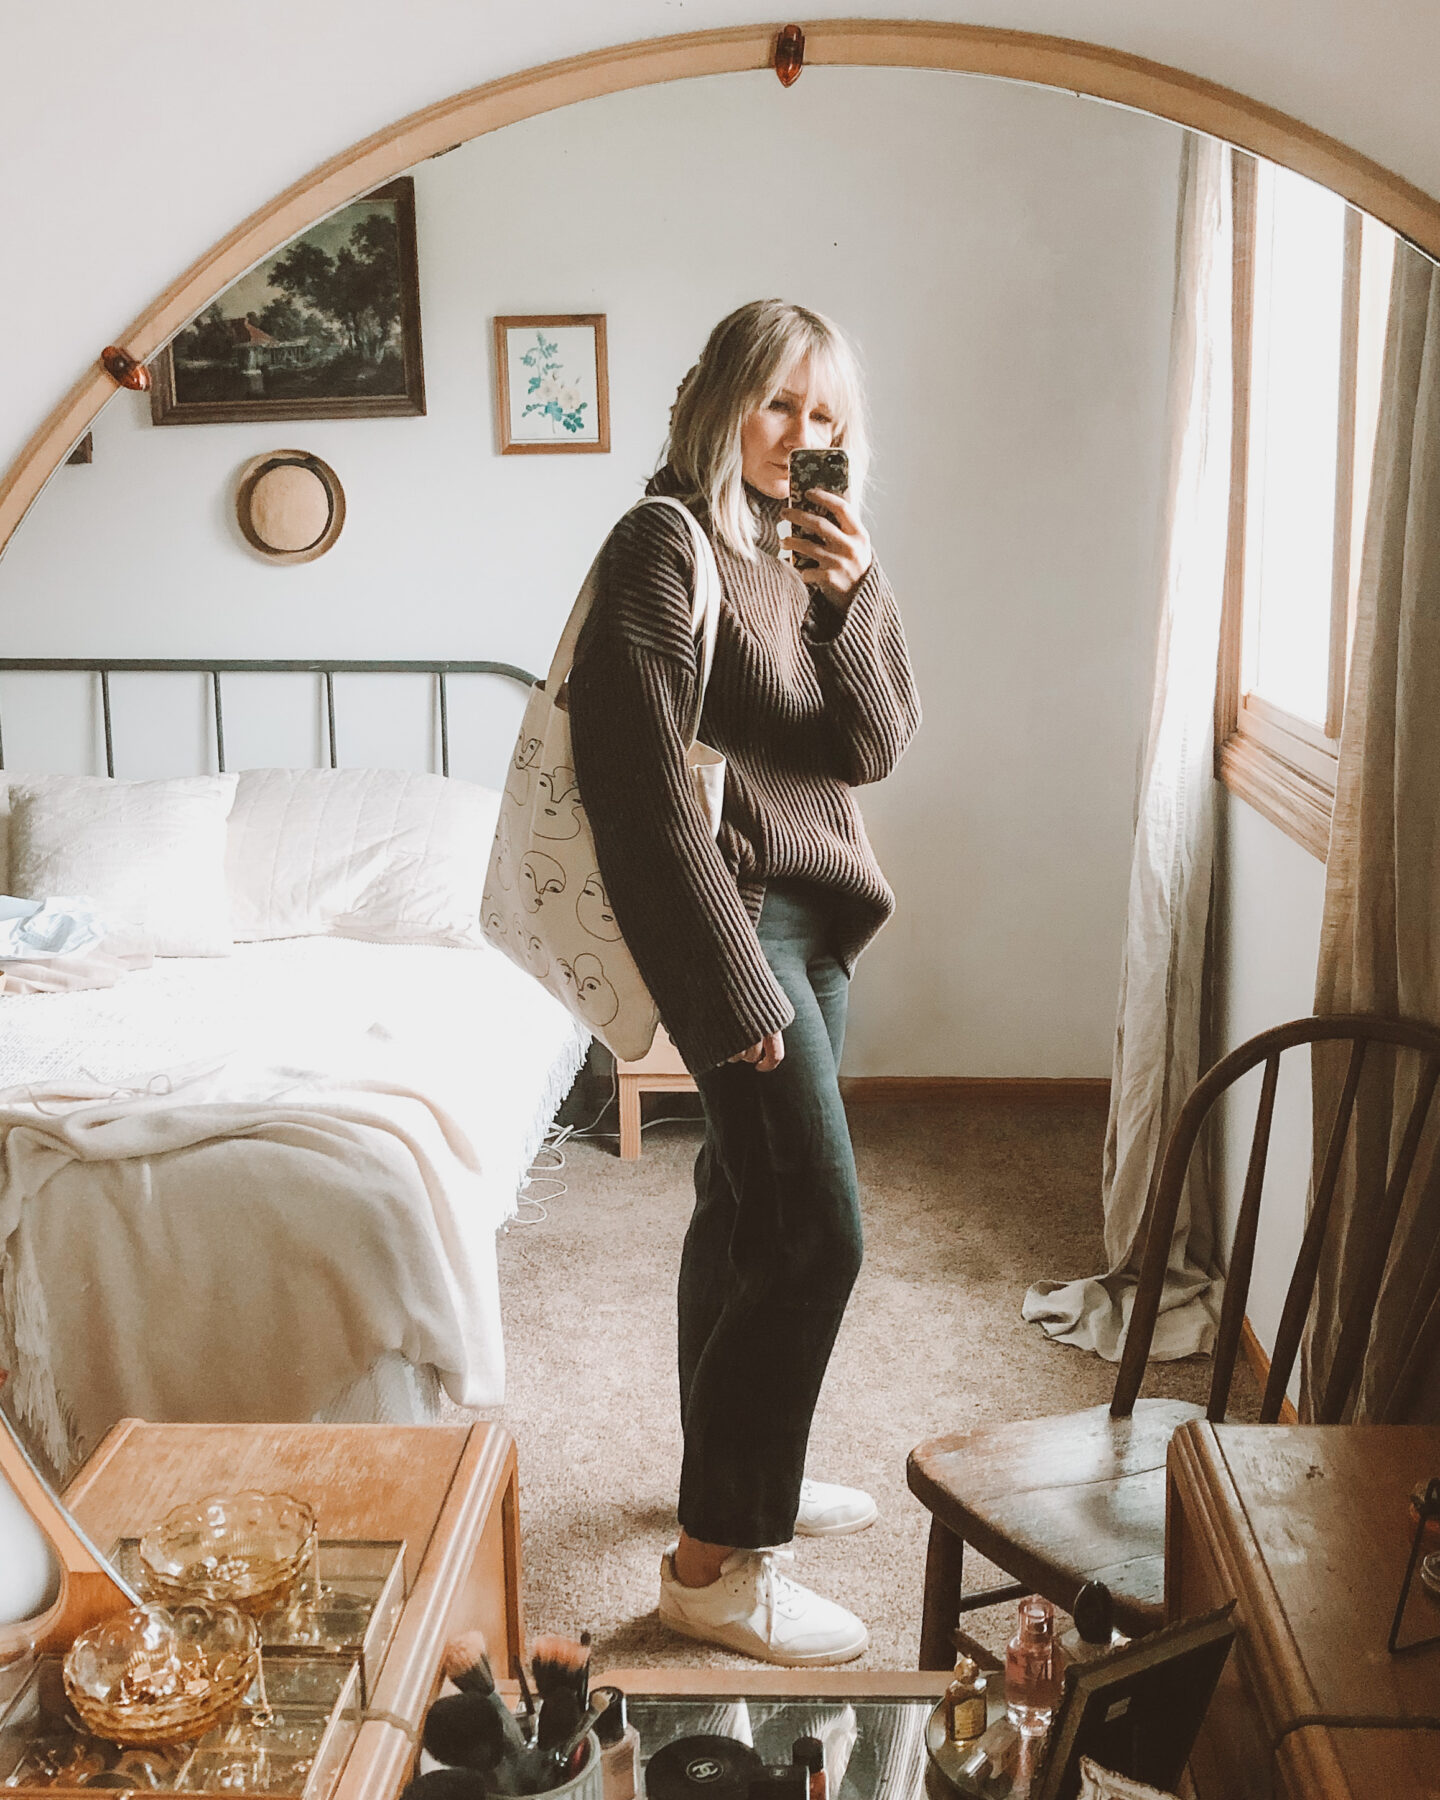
column 547, row 1175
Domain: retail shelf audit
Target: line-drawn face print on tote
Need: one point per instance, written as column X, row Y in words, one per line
column 494, row 923
column 541, row 877
column 517, row 783
column 557, row 815
column 533, row 953
column 594, row 996
column 592, row 909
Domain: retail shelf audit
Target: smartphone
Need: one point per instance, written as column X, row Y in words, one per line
column 827, row 469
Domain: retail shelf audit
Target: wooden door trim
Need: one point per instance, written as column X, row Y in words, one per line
column 1064, row 63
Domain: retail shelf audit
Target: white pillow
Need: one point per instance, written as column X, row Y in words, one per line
column 381, row 854
column 149, row 854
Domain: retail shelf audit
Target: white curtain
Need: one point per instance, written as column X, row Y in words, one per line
column 1158, row 1030
column 1380, row 938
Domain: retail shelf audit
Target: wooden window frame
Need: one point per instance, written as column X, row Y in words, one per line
column 1284, row 766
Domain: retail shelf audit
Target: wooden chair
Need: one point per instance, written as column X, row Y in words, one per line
column 1060, row 1501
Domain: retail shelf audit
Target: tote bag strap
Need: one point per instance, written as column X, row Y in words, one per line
column 704, row 619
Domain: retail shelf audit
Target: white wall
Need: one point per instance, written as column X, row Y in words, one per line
column 128, row 148
column 1004, row 257
column 1269, row 897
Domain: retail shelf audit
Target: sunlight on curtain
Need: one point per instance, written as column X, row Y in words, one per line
column 1294, row 439
column 1157, row 1038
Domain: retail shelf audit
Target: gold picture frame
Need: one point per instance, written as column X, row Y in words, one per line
column 552, row 388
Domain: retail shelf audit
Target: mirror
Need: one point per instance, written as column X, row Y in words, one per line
column 1003, row 256
column 53, row 1580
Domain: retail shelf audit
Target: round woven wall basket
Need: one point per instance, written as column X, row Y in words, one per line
column 290, row 506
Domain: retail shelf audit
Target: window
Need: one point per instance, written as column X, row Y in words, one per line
column 1312, row 289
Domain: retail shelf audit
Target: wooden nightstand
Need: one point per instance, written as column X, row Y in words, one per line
column 659, row 1072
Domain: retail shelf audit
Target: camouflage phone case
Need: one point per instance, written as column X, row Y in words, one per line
column 827, row 469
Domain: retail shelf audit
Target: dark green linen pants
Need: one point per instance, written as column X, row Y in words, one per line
column 772, row 1250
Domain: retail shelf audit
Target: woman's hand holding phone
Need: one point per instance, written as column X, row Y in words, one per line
column 836, row 540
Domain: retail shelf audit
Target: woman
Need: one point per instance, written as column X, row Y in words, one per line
column 747, row 943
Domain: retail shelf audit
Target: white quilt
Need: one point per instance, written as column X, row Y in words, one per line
column 229, row 1186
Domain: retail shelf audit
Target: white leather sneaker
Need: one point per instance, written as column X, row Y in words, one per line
column 827, row 1510
column 756, row 1609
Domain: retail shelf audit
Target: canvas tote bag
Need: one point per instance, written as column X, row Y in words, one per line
column 545, row 905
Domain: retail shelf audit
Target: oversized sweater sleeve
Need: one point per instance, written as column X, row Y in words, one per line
column 864, row 671
column 632, row 699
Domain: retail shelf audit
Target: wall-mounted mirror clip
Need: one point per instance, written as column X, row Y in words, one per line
column 123, row 369
column 789, row 55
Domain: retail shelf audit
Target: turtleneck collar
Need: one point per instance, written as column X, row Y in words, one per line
column 764, row 510
column 766, row 513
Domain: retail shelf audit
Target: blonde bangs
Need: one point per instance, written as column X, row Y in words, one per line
column 743, row 365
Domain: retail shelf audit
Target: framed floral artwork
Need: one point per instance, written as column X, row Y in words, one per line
column 552, row 392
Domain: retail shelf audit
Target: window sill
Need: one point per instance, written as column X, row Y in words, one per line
column 1299, row 802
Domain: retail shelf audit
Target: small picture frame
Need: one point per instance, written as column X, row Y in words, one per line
column 1137, row 1710
column 552, row 389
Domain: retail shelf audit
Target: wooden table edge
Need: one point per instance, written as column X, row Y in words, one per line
column 1283, row 1690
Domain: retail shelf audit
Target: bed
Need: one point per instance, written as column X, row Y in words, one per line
column 264, row 1182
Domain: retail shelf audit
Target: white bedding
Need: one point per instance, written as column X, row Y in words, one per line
column 276, row 1169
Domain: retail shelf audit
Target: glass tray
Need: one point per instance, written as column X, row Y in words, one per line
column 295, row 1754
column 345, row 1608
column 874, row 1746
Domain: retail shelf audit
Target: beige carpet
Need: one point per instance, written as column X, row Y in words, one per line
column 962, row 1210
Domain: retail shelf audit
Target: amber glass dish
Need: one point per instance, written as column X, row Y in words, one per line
column 246, row 1550
column 159, row 1675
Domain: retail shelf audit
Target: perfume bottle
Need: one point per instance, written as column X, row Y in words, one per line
column 965, row 1704
column 1033, row 1661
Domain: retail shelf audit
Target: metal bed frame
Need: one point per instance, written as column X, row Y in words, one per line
column 216, row 667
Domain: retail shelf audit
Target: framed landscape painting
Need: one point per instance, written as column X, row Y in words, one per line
column 552, row 391
column 326, row 328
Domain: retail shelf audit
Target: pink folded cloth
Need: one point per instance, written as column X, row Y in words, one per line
column 93, row 968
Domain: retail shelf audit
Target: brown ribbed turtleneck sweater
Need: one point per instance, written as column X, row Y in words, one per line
column 806, row 700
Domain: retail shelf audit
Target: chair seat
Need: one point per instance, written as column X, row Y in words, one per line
column 1061, row 1501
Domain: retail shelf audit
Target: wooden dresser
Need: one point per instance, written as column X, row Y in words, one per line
column 1308, row 1529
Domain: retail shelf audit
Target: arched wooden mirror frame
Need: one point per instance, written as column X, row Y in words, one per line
column 1065, row 63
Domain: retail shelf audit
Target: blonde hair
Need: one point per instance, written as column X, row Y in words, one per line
column 742, row 366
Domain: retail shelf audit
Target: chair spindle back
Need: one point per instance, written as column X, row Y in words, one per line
column 1162, row 1207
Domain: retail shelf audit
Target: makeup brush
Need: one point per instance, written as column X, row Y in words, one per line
column 540, row 1768
column 560, row 1717
column 561, row 1662
column 527, row 1698
column 565, row 1755
column 466, row 1662
column 468, row 1731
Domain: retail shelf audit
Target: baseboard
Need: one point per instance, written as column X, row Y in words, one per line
column 972, row 1090
column 1254, row 1353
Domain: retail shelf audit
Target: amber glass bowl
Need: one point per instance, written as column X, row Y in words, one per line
column 246, row 1550
column 159, row 1674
